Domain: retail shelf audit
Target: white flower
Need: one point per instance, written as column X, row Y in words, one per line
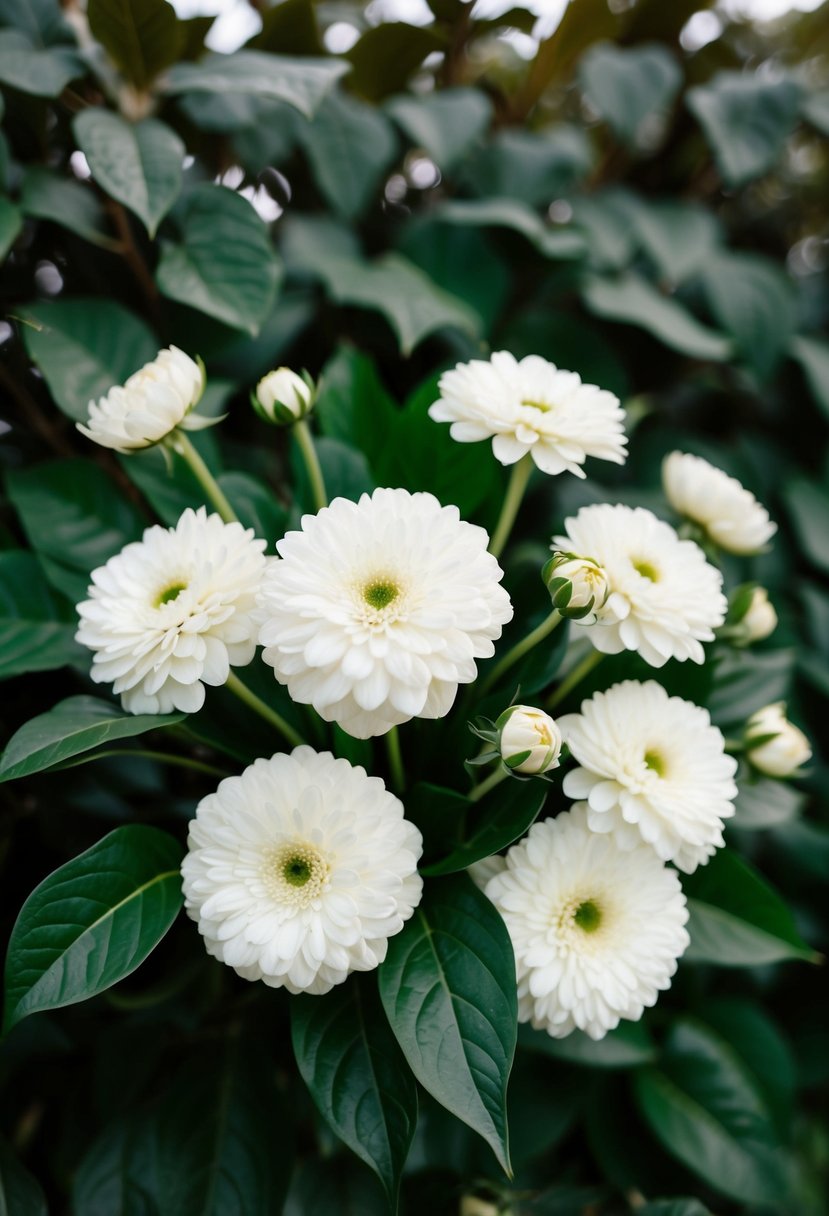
column 152, row 403
column 729, row 513
column 379, row 609
column 783, row 755
column 300, row 869
column 665, row 598
column 172, row 612
column 531, row 406
column 530, row 740
column 760, row 619
column 653, row 769
column 283, row 397
column 596, row 931
column 481, row 871
column 578, row 587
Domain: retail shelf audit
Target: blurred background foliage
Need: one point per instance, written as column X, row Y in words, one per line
column 639, row 195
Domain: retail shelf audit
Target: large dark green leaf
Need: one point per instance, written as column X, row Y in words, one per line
column 448, row 988
column 679, row 238
column 357, row 1075
column 11, row 223
column 20, row 1194
column 387, row 55
column 813, row 356
column 84, row 346
column 500, row 817
column 632, row 88
column 34, row 634
column 75, row 519
column 44, row 73
column 512, row 213
column 706, row 1109
column 808, row 505
column 353, row 406
column 93, row 921
column 445, row 124
column 139, row 164
column 765, row 803
column 41, row 20
column 74, row 726
column 350, row 145
column 632, row 300
column 746, row 119
column 745, row 682
column 142, row 36
column 302, row 83
column 737, row 920
column 629, row 1045
column 225, row 265
column 752, row 299
column 762, row 1048
column 49, row 195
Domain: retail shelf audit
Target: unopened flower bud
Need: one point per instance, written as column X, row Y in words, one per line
column 577, row 585
column 780, row 747
column 530, row 741
column 282, row 397
column 759, row 619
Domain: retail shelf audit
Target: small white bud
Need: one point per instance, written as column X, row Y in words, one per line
column 530, row 741
column 760, row 619
column 283, row 397
column 784, row 753
column 578, row 586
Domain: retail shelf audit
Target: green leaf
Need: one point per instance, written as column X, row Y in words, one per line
column 345, row 472
column 357, row 1075
column 736, row 919
column 511, row 213
column 628, row 1046
column 764, row 803
column 678, row 237
column 302, row 83
column 74, row 726
column 352, row 404
column 815, row 109
column 20, row 1193
column 813, row 357
column 141, row 36
column 674, row 1207
column 33, row 637
column 500, row 817
column 43, row 73
column 74, row 518
column 225, row 265
column 448, row 988
column 753, row 300
column 49, row 195
column 531, row 166
column 746, row 119
column 256, row 505
column 808, row 505
column 350, row 145
column 706, row 1110
column 139, row 164
column 445, row 124
column 386, row 56
column 632, row 88
column 83, row 347
column 11, row 224
column 745, row 682
column 631, row 300
column 93, row 921
column 41, row 20
column 762, row 1048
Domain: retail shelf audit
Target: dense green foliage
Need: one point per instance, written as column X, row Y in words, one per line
column 644, row 212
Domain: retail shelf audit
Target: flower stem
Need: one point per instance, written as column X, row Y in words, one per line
column 398, row 774
column 519, row 479
column 575, row 677
column 521, row 648
column 258, row 706
column 181, row 444
column 309, row 454
column 494, row 778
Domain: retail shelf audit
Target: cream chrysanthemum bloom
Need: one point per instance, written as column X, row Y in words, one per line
column 379, row 609
column 173, row 612
column 652, row 769
column 152, row 403
column 300, row 869
column 531, row 406
column 665, row 598
column 728, row 512
column 596, row 931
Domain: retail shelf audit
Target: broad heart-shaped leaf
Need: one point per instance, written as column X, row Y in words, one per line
column 706, row 1109
column 74, row 726
column 351, row 1063
column 139, row 164
column 813, row 356
column 628, row 1046
column 302, row 82
column 630, row 87
column 93, row 921
column 43, row 73
column 677, row 237
column 444, row 124
column 75, row 519
column 350, row 145
column 141, row 36
column 34, row 632
column 49, row 195
column 448, row 988
column 83, row 347
column 753, row 300
column 20, row 1194
column 736, row 919
column 746, row 119
column 501, row 816
column 632, row 300
column 225, row 265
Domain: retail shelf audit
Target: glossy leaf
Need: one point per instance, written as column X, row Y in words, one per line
column 745, row 682
column 752, row 299
column 631, row 87
column 302, row 83
column 42, row 72
column 633, row 301
column 445, row 124
column 511, row 213
column 139, row 164
column 746, row 119
column 48, row 195
column 20, row 1193
column 357, row 1075
column 34, row 634
column 141, row 36
column 93, row 921
column 678, row 237
column 500, row 818
column 628, row 1046
column 350, row 145
column 74, row 726
column 224, row 266
column 448, row 988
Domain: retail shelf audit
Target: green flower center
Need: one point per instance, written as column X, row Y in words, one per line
column 380, row 594
column 296, row 870
column 543, row 406
column 295, row 874
column 655, row 761
column 170, row 593
column 647, row 571
column 588, row 916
